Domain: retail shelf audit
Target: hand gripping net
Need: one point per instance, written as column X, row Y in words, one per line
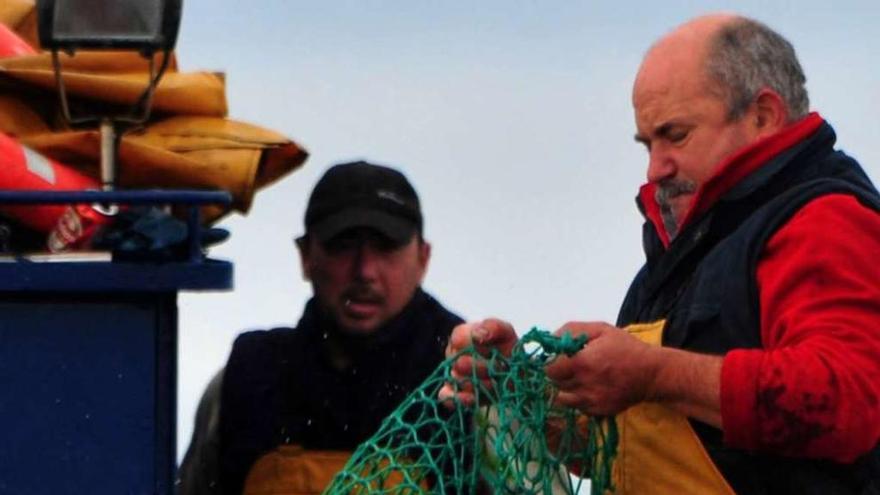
column 502, row 446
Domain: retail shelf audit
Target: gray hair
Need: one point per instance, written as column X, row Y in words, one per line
column 747, row 56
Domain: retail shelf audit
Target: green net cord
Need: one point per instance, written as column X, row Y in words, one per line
column 516, row 441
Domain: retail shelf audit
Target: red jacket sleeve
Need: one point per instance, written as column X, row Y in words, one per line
column 813, row 390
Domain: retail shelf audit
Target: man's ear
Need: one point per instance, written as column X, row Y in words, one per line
column 424, row 255
column 769, row 113
column 304, row 248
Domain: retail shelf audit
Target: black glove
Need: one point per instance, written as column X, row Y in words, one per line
column 149, row 234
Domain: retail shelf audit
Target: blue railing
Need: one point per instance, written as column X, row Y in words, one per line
column 193, row 273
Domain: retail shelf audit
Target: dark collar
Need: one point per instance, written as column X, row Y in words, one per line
column 732, row 172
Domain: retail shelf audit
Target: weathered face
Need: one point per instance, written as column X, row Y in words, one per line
column 683, row 124
column 361, row 278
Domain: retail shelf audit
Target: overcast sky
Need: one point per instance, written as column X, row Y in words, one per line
column 512, row 119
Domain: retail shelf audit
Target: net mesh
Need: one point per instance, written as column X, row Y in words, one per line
column 516, row 441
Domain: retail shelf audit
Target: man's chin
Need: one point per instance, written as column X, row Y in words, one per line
column 679, row 204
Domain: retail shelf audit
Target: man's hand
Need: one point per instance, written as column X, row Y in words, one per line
column 484, row 336
column 615, row 370
column 612, row 372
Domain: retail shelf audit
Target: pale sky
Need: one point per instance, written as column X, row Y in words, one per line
column 512, row 118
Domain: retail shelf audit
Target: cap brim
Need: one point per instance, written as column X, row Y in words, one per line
column 397, row 229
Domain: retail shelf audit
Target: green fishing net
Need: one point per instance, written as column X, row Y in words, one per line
column 514, row 442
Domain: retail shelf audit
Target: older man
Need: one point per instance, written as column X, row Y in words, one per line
column 293, row 402
column 746, row 356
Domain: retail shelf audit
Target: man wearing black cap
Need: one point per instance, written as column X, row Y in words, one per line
column 292, row 404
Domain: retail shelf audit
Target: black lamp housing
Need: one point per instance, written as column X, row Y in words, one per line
column 144, row 26
column 147, row 26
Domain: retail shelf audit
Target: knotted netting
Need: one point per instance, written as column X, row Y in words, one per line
column 516, row 441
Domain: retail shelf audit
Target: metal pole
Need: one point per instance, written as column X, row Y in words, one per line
column 108, row 155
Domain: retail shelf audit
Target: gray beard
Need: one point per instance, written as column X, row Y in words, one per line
column 669, row 222
column 666, row 191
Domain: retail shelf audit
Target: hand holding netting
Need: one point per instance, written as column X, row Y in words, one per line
column 483, row 339
column 611, row 374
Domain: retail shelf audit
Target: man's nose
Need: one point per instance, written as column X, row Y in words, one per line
column 660, row 166
column 366, row 263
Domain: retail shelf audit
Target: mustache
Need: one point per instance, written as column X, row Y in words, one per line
column 672, row 188
column 362, row 293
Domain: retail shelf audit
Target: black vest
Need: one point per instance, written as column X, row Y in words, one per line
column 704, row 285
column 279, row 387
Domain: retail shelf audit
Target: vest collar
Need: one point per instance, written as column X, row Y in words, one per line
column 730, row 172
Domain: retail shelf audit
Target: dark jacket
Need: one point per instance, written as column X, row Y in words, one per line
column 280, row 388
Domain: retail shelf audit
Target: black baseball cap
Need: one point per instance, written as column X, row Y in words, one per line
column 362, row 194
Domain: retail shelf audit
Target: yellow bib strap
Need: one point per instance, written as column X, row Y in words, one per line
column 659, row 452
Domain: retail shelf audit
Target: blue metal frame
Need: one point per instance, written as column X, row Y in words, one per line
column 191, row 199
column 89, row 359
column 196, row 273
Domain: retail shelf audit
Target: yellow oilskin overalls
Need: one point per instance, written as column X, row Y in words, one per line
column 659, row 453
